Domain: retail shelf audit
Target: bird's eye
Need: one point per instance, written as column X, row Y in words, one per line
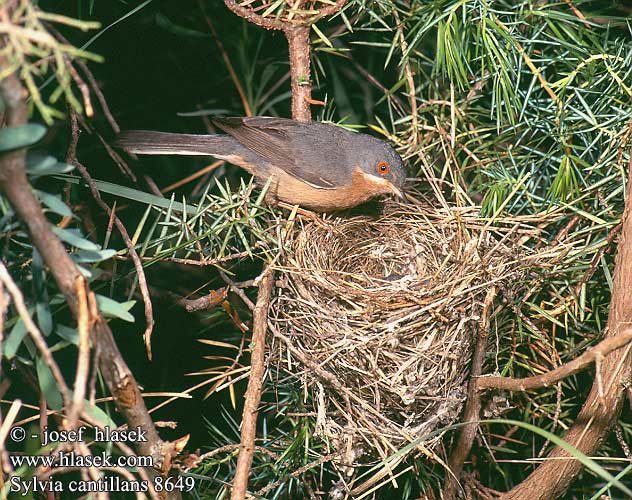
column 383, row 168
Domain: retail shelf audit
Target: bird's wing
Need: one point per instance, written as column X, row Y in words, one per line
column 309, row 152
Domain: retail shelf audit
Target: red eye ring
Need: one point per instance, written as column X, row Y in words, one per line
column 383, row 168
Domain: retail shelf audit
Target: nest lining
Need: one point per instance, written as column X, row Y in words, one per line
column 382, row 314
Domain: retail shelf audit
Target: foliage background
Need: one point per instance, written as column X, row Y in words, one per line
column 523, row 107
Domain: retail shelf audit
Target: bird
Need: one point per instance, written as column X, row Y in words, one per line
column 317, row 166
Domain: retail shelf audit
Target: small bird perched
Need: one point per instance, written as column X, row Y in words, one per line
column 315, row 165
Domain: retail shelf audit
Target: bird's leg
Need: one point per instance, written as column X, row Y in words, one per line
column 308, row 214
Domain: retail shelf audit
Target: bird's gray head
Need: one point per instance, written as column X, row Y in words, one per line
column 379, row 160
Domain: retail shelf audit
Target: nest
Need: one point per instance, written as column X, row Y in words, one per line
column 379, row 317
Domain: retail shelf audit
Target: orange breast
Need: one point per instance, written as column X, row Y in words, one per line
column 291, row 190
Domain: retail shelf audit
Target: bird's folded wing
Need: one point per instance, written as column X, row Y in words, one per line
column 295, row 147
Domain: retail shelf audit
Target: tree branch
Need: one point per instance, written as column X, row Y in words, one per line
column 71, row 158
column 299, row 52
column 473, row 406
column 604, row 402
column 16, row 187
column 252, row 17
column 549, row 378
column 255, row 384
column 297, row 33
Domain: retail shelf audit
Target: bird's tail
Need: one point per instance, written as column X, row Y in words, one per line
column 148, row 142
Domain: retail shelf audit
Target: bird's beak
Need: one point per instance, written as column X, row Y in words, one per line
column 397, row 191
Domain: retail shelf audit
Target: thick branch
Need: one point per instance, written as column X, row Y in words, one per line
column 549, row 378
column 604, row 402
column 297, row 33
column 16, row 187
column 298, row 43
column 255, row 384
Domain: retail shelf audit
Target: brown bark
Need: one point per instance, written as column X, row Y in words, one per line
column 299, row 49
column 473, row 405
column 590, row 356
column 18, row 191
column 603, row 406
column 255, row 386
column 297, row 33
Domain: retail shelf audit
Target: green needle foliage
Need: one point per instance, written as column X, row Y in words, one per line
column 521, row 107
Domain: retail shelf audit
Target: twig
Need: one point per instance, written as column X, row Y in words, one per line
column 473, row 405
column 298, row 472
column 597, row 258
column 529, row 62
column 86, row 312
column 250, row 16
column 193, row 176
column 379, row 85
column 410, row 81
column 203, row 263
column 192, row 461
column 35, row 334
column 138, row 266
column 235, row 288
column 213, row 299
column 566, row 370
column 255, row 382
column 229, row 64
column 5, row 427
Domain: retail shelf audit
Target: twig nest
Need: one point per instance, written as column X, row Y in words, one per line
column 379, row 316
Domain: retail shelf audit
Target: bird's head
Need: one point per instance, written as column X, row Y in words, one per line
column 381, row 163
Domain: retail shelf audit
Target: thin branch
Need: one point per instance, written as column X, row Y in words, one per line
column 229, row 64
column 410, row 81
column 473, row 405
column 71, row 158
column 236, row 289
column 250, row 16
column 86, row 312
column 35, row 334
column 213, row 299
column 298, row 472
column 549, row 378
column 255, row 383
column 276, row 24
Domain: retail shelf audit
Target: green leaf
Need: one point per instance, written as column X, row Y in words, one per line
column 93, row 255
column 99, row 415
column 74, row 238
column 113, row 309
column 21, row 136
column 322, row 36
column 67, row 333
column 11, row 345
column 167, row 24
column 38, row 164
column 54, row 203
column 42, row 308
column 47, row 385
column 133, row 194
